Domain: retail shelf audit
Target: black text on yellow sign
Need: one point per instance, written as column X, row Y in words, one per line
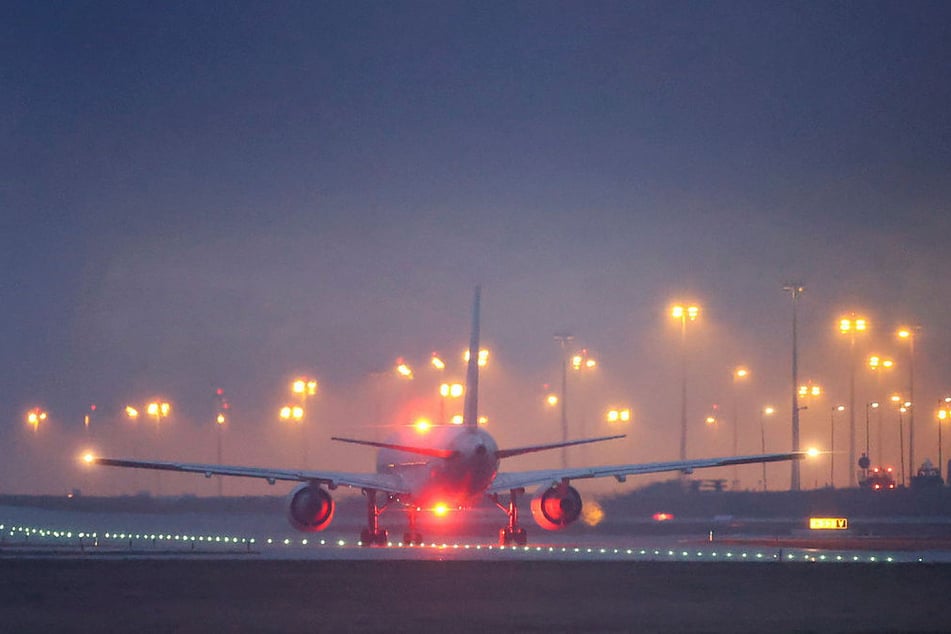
column 828, row 523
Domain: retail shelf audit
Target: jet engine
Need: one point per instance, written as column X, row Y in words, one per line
column 556, row 507
column 310, row 508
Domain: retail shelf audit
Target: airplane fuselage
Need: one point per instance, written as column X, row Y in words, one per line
column 458, row 480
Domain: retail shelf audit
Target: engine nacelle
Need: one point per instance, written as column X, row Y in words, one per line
column 310, row 508
column 556, row 507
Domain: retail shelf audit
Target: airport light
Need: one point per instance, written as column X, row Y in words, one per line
column 877, row 362
column 403, row 369
column 903, row 406
column 437, row 362
column 684, row 313
column 622, row 415
column 552, row 400
column 943, row 414
column 583, row 361
column 36, row 416
column 810, row 390
column 740, row 375
column 835, row 409
column 563, row 339
column 422, row 425
column 131, row 412
column 304, row 387
column 451, row 390
column 292, row 413
column 483, row 357
column 850, row 326
column 766, row 411
column 909, row 335
column 795, row 289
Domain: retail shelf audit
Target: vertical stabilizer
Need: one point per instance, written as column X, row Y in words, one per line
column 470, row 414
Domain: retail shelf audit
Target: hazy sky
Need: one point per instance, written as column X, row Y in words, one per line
column 205, row 194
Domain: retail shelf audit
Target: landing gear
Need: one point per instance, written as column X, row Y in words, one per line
column 412, row 536
column 513, row 537
column 373, row 535
column 513, row 534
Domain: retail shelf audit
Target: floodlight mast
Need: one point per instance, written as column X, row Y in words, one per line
column 795, row 289
column 563, row 338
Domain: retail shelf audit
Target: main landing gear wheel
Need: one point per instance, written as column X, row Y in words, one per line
column 373, row 535
column 373, row 538
column 513, row 534
column 411, row 539
column 513, row 537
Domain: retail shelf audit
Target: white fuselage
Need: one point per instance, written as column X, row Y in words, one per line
column 458, row 480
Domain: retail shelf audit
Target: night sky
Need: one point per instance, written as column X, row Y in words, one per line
column 227, row 194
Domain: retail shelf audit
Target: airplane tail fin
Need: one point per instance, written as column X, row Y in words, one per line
column 470, row 412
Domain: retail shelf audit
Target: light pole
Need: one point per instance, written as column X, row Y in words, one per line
column 304, row 388
column 878, row 365
column 808, row 390
column 795, row 289
column 849, row 326
column 766, row 411
column 36, row 416
column 944, row 413
column 158, row 410
column 740, row 374
column 909, row 335
column 684, row 314
column 563, row 339
column 837, row 408
column 581, row 364
column 866, row 460
column 903, row 407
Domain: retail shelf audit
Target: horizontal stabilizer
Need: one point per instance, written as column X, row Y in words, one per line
column 508, row 453
column 424, row 451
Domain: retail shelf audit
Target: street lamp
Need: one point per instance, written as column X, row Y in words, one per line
column 483, row 357
column 34, row 417
column 807, row 391
column 837, row 408
column 563, row 338
column 684, row 313
column 622, row 415
column 849, row 326
column 878, row 365
column 795, row 289
column 740, row 374
column 766, row 411
column 582, row 363
column 944, row 413
column 909, row 335
column 903, row 407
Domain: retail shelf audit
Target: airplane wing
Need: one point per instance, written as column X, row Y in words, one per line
column 506, row 481
column 378, row 481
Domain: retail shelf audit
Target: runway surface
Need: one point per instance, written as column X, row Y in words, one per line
column 63, row 571
column 53, row 595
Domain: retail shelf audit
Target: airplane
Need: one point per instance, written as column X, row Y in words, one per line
column 456, row 467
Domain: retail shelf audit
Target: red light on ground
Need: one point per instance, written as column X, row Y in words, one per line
column 662, row 517
column 440, row 510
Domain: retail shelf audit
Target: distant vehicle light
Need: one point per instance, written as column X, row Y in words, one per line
column 440, row 510
column 662, row 517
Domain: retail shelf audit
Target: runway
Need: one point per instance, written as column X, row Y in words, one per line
column 30, row 532
column 64, row 571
